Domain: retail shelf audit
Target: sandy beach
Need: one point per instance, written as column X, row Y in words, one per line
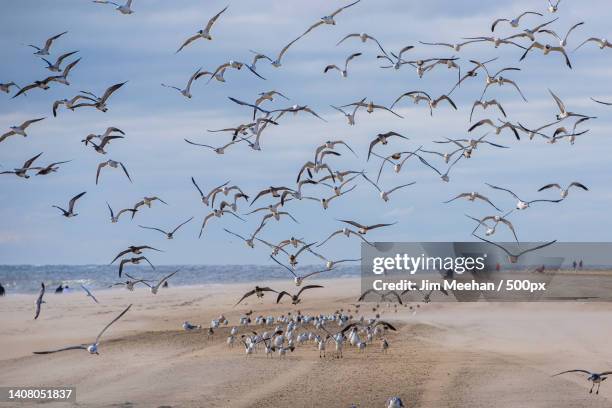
column 447, row 355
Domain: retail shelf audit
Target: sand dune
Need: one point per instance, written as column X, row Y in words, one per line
column 447, row 355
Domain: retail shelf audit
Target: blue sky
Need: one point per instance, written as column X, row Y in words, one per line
column 139, row 48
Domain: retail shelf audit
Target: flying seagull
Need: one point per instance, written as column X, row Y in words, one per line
column 45, row 49
column 122, row 8
column 93, row 347
column 513, row 258
column 595, row 378
column 170, row 234
column 70, row 212
column 205, row 33
column 113, row 165
column 39, row 300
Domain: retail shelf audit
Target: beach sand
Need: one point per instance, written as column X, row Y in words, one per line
column 447, row 355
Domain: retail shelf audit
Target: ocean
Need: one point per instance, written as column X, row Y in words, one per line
column 27, row 278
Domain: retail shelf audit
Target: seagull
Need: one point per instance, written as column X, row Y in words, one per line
column 564, row 191
column 19, row 130
column 115, row 218
column 123, row 9
column 602, row 42
column 56, row 67
column 50, row 168
column 522, row 205
column 148, row 201
column 205, row 33
column 515, row 21
column 169, row 235
column 547, row 48
column 562, row 41
column 70, row 212
column 497, row 219
column 472, row 73
column 457, row 46
column 23, row 171
column 530, row 33
column 384, row 195
column 89, row 294
column 249, row 241
column 99, row 148
column 553, row 7
column 364, row 38
column 107, row 132
column 418, row 96
column 130, row 283
column 112, row 164
column 69, row 103
column 6, row 87
column 472, row 197
column 496, row 41
column 273, row 191
column 346, row 232
column 39, row 300
column 133, row 261
column 42, row 84
column 485, row 105
column 45, row 49
column 330, row 18
column 444, row 177
column 91, row 348
column 219, row 213
column 371, row 106
column 563, row 113
column 100, row 103
column 397, row 167
column 343, row 72
column 350, row 116
column 155, row 288
column 595, row 378
column 258, row 291
column 133, row 250
column 295, row 299
column 63, row 78
column 499, row 80
column 297, row 278
column 383, row 138
column 395, row 402
column 363, row 229
column 186, row 92
column 513, row 258
column 498, row 129
column 397, row 64
column 206, row 198
column 218, row 150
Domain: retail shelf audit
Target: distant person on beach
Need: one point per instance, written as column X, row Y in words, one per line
column 2, row 291
column 580, row 264
column 165, row 285
column 61, row 289
column 575, row 265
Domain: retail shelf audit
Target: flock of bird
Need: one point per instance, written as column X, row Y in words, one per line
column 322, row 179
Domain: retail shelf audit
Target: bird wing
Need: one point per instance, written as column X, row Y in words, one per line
column 81, row 347
column 110, row 324
column 125, row 171
column 110, row 91
column 214, row 19
column 74, row 199
column 180, row 225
